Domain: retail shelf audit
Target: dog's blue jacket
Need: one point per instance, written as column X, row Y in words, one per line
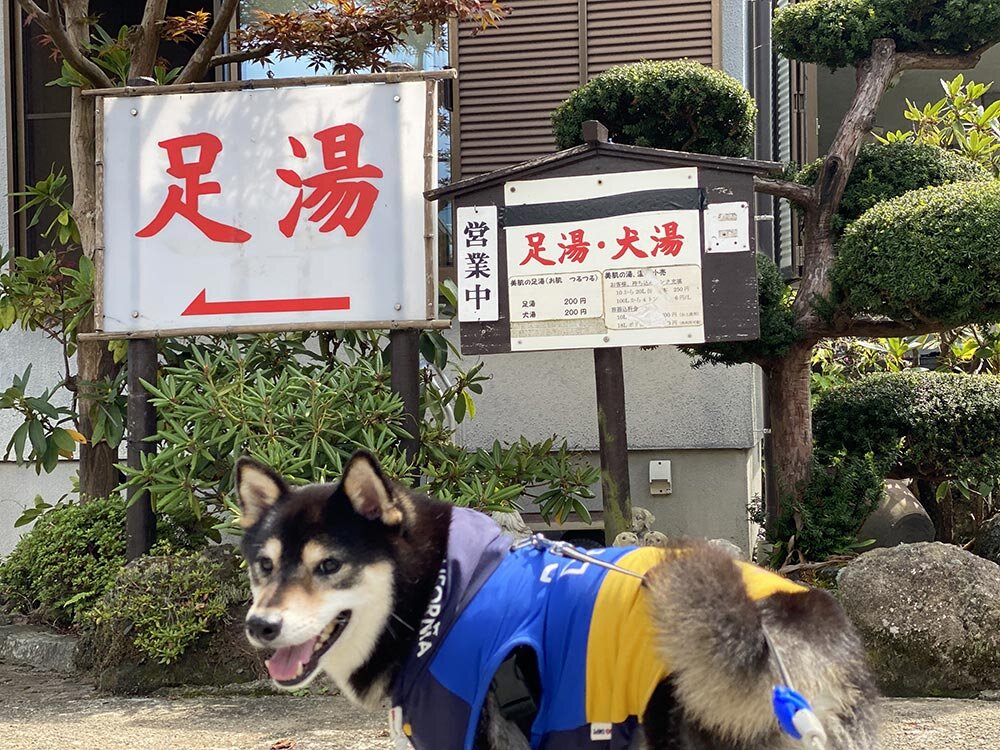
column 589, row 628
column 490, row 600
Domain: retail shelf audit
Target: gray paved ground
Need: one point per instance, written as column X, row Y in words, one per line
column 44, row 711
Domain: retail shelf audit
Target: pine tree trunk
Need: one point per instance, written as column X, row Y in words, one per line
column 791, row 424
column 98, row 475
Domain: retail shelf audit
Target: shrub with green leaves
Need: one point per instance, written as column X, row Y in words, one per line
column 164, row 602
column 676, row 104
column 842, row 493
column 778, row 331
column 67, row 560
column 305, row 413
column 958, row 121
column 837, row 33
column 888, row 170
column 931, row 254
column 935, row 425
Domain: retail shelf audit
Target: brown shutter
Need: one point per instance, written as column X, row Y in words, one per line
column 509, row 81
column 512, row 77
column 628, row 30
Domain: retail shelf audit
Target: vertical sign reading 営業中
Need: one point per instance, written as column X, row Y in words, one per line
column 478, row 273
column 605, row 260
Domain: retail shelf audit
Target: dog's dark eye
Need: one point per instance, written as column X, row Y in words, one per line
column 328, row 567
column 265, row 565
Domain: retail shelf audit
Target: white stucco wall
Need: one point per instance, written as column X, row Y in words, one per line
column 706, row 422
column 18, row 349
column 734, row 34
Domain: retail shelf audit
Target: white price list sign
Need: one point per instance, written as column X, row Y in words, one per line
column 588, row 267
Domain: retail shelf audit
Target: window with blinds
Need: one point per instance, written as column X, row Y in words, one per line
column 512, row 77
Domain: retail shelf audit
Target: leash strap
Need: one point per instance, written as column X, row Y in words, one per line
column 792, row 710
column 565, row 549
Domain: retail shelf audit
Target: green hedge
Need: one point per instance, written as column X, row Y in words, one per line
column 677, row 104
column 929, row 254
column 837, row 33
column 888, row 170
column 929, row 424
column 164, row 602
column 778, row 331
column 66, row 561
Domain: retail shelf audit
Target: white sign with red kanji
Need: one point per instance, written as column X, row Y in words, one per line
column 292, row 206
column 587, row 267
column 478, row 274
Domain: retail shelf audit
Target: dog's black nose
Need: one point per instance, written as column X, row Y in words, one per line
column 264, row 628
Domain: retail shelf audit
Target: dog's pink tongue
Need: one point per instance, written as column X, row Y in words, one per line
column 284, row 664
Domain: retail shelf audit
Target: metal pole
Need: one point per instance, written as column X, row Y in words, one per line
column 404, row 359
column 140, row 523
column 772, row 501
column 610, row 377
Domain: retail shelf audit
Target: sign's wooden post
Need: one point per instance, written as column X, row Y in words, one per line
column 613, row 434
column 140, row 522
column 140, row 420
column 404, row 359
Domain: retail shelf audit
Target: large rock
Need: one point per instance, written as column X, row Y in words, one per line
column 929, row 615
column 988, row 540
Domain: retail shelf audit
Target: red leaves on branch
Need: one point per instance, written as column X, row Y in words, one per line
column 350, row 35
column 186, row 28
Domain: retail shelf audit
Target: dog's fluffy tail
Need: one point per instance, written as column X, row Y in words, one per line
column 711, row 635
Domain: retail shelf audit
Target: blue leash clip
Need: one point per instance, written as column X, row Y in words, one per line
column 787, row 703
column 794, row 714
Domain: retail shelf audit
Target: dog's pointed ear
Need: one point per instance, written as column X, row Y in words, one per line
column 369, row 492
column 258, row 488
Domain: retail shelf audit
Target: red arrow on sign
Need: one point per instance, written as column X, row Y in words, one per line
column 201, row 306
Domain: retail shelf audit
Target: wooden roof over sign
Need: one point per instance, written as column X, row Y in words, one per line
column 585, row 151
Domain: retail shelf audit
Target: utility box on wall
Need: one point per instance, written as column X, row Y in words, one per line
column 660, row 478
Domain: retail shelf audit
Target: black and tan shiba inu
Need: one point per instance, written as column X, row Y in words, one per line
column 406, row 601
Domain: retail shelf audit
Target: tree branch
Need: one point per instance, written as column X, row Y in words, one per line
column 875, row 73
column 804, row 195
column 200, row 62
column 51, row 23
column 146, row 42
column 256, row 53
column 873, row 78
column 930, row 61
column 883, row 328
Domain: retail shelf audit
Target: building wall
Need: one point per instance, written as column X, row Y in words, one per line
column 836, row 90
column 706, row 422
column 18, row 349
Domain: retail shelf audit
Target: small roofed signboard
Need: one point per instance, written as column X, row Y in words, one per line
column 273, row 207
column 606, row 246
